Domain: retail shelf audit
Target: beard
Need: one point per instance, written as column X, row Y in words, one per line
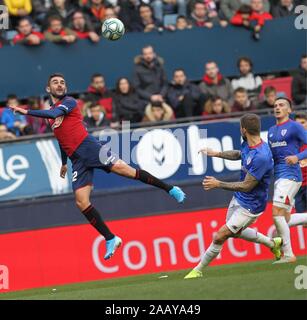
column 58, row 96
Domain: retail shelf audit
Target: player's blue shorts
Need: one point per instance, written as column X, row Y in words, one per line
column 91, row 154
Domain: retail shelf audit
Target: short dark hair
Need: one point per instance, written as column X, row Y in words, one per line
column 304, row 56
column 181, row 17
column 96, row 75
column 269, row 89
column 145, row 5
column 94, row 105
column 301, row 115
column 285, row 98
column 179, row 69
column 54, row 18
column 25, row 19
column 245, row 9
column 53, row 75
column 11, row 96
column 157, row 104
column 251, row 122
column 246, row 59
column 240, row 90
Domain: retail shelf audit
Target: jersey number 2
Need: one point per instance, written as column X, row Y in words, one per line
column 74, row 176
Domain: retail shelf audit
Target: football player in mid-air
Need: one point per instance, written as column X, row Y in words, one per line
column 87, row 153
column 285, row 140
column 249, row 200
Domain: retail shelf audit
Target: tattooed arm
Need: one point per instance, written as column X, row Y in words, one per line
column 247, row 185
column 228, row 155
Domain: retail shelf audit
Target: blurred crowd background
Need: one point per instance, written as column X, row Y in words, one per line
column 149, row 96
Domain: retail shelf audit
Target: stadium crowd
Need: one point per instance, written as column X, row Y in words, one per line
column 31, row 22
column 150, row 97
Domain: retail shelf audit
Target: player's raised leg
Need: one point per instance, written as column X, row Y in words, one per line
column 113, row 242
column 298, row 219
column 122, row 168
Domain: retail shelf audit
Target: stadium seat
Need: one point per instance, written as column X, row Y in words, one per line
column 10, row 34
column 169, row 19
column 282, row 85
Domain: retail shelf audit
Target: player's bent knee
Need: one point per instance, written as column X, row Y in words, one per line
column 82, row 204
column 218, row 239
column 122, row 168
column 279, row 211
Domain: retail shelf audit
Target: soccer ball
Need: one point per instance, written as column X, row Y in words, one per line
column 113, row 29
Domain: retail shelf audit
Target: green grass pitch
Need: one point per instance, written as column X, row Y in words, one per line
column 257, row 280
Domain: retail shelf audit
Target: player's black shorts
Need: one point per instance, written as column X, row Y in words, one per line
column 91, row 154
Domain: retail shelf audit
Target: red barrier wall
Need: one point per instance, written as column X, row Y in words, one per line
column 151, row 244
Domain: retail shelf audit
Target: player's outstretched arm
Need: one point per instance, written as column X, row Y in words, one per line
column 249, row 183
column 48, row 114
column 228, row 155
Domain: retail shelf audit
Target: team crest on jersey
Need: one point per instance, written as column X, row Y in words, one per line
column 283, row 132
column 248, row 160
column 57, row 122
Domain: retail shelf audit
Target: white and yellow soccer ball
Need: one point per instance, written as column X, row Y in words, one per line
column 112, row 29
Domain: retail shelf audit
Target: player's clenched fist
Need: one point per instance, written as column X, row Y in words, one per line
column 63, row 171
column 210, row 183
column 209, row 152
column 291, row 160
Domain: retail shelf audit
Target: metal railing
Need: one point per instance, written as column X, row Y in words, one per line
column 162, row 124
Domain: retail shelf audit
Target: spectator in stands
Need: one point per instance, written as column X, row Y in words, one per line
column 158, row 111
column 182, row 23
column 129, row 107
column 15, row 122
column 57, row 33
column 284, row 8
column 97, row 92
column 3, row 40
column 110, row 13
column 18, row 9
column 270, row 96
column 38, row 125
column 299, row 84
column 63, row 9
column 228, row 8
column 201, row 17
column 128, row 13
column 146, row 21
column 184, row 97
column 5, row 134
column 40, row 10
column 214, row 84
column 96, row 11
column 83, row 28
column 163, row 7
column 26, row 35
column 252, row 17
column 216, row 106
column 247, row 79
column 97, row 117
column 149, row 78
column 241, row 101
column 301, row 196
